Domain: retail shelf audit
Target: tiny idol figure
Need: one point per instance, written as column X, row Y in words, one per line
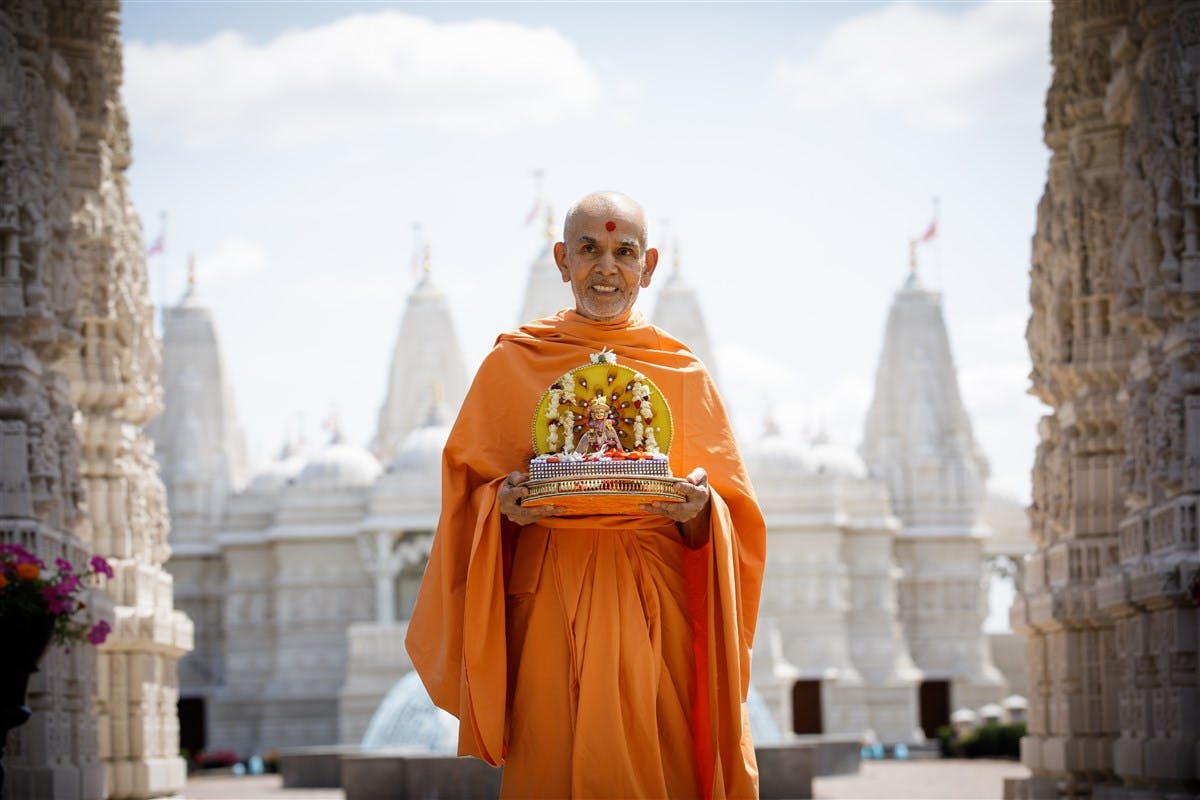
column 599, row 432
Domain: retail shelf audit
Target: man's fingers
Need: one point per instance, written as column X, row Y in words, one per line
column 527, row 515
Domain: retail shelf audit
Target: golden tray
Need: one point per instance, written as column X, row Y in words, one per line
column 602, row 494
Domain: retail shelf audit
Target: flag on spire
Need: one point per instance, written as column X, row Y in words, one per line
column 539, row 176
column 159, row 245
column 929, row 233
column 932, row 230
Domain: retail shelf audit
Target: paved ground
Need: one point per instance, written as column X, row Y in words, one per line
column 251, row 787
column 878, row 780
column 949, row 779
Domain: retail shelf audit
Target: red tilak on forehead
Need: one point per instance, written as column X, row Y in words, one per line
column 610, row 226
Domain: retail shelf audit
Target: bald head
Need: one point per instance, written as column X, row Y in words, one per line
column 607, row 204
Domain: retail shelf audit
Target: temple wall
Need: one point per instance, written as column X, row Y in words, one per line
column 79, row 370
column 1115, row 339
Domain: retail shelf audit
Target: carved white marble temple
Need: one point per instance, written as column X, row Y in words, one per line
column 870, row 553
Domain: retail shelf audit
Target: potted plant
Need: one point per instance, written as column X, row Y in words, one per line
column 38, row 606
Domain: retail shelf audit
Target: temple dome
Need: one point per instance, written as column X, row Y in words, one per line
column 416, row 469
column 339, row 466
column 830, row 458
column 421, row 452
column 274, row 476
column 778, row 457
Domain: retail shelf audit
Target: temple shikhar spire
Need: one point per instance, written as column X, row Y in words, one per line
column 198, row 440
column 918, row 440
column 545, row 292
column 426, row 351
column 677, row 311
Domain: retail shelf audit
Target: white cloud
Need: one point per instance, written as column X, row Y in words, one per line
column 232, row 260
column 937, row 66
column 368, row 73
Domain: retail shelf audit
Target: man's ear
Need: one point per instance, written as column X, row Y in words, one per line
column 560, row 258
column 648, row 269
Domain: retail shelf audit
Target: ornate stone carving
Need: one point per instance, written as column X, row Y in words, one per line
column 1118, row 466
column 78, row 374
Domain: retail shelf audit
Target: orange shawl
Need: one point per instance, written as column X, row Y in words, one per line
column 456, row 637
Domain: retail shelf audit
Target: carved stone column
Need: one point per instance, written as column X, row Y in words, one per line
column 1111, row 649
column 55, row 753
column 113, row 376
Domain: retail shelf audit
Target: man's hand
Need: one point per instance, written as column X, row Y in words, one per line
column 692, row 514
column 512, row 492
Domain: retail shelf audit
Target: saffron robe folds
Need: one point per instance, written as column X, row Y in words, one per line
column 595, row 656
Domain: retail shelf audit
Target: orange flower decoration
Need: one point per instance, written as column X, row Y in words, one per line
column 28, row 572
column 3, row 580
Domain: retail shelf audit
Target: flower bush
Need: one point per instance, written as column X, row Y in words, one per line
column 28, row 589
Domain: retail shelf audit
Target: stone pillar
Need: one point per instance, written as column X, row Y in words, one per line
column 375, row 652
column 382, row 562
column 55, row 753
column 113, row 372
column 1111, row 633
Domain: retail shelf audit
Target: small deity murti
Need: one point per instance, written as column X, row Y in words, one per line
column 599, row 433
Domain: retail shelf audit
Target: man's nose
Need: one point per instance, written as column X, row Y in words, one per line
column 607, row 263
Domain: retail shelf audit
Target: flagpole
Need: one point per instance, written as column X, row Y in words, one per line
column 937, row 262
column 414, row 258
column 160, row 252
column 539, row 180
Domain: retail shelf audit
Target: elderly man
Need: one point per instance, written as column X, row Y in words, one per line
column 601, row 656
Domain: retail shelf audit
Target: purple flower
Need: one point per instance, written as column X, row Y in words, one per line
column 100, row 566
column 23, row 555
column 63, row 565
column 57, row 600
column 99, row 632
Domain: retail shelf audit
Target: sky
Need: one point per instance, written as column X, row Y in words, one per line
column 792, row 150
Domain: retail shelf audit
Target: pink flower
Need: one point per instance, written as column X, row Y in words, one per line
column 99, row 632
column 100, row 566
column 62, row 565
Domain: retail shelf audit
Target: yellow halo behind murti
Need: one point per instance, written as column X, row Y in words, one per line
column 605, row 380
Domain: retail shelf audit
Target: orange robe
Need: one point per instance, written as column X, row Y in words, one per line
column 594, row 656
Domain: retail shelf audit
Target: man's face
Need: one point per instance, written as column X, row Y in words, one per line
column 605, row 262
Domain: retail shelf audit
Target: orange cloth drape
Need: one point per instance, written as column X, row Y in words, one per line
column 482, row 635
